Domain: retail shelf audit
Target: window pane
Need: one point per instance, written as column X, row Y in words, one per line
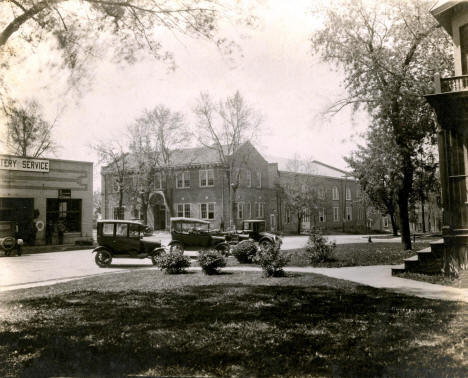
column 210, row 177
column 121, row 230
column 211, row 209
column 108, row 229
column 187, row 210
column 203, row 210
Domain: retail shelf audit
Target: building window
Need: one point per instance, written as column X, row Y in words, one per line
column 248, row 210
column 348, row 194
column 305, row 214
column 183, row 210
column 260, row 207
column 321, row 215
column 182, row 180
column 207, row 210
column 349, row 213
column 336, row 214
column 115, row 184
column 118, row 212
column 65, row 211
column 321, row 193
column 259, row 180
column 385, row 222
column 157, row 181
column 240, row 210
column 464, row 48
column 335, row 194
column 249, row 179
column 206, row 177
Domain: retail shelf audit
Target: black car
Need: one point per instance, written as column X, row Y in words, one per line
column 9, row 240
column 123, row 239
column 192, row 233
column 255, row 228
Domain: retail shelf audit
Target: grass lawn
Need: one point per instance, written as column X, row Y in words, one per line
column 240, row 324
column 359, row 254
column 439, row 279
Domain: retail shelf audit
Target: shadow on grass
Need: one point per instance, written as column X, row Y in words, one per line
column 243, row 330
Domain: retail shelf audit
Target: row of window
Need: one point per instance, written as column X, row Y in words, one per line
column 320, row 191
column 306, row 214
column 183, row 180
column 207, row 210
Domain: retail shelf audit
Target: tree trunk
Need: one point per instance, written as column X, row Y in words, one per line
column 404, row 219
column 299, row 224
column 119, row 215
column 394, row 224
column 422, row 214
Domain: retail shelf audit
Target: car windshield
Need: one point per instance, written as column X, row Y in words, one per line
column 248, row 226
column 134, row 231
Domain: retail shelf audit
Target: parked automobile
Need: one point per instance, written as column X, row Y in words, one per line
column 147, row 230
column 123, row 239
column 255, row 229
column 192, row 233
column 9, row 240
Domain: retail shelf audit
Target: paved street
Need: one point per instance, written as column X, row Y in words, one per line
column 46, row 268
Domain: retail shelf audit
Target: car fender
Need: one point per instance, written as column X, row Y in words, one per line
column 175, row 242
column 270, row 239
column 222, row 244
column 101, row 249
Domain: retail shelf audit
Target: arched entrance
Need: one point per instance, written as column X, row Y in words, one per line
column 158, row 206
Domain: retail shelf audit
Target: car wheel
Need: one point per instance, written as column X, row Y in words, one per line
column 103, row 258
column 8, row 244
column 266, row 245
column 156, row 253
column 223, row 249
column 177, row 248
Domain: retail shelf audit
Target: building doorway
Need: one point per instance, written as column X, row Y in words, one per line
column 20, row 210
column 159, row 212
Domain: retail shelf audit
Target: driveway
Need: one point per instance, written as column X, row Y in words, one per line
column 47, row 268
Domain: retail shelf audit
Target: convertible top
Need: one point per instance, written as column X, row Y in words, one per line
column 119, row 221
column 189, row 220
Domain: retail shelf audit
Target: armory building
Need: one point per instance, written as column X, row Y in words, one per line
column 196, row 186
column 49, row 199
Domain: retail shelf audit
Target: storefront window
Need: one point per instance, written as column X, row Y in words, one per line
column 66, row 211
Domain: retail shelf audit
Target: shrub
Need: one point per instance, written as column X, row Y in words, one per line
column 272, row 261
column 172, row 263
column 319, row 249
column 245, row 251
column 211, row 261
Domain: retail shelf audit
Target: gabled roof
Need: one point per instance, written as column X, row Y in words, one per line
column 443, row 10
column 315, row 167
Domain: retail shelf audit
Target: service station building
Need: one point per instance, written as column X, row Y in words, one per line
column 51, row 200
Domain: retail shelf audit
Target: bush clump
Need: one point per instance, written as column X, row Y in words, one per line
column 245, row 251
column 172, row 263
column 319, row 249
column 272, row 261
column 211, row 261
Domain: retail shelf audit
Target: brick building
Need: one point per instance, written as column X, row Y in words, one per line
column 335, row 200
column 197, row 185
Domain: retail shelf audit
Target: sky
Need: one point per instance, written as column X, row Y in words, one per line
column 274, row 69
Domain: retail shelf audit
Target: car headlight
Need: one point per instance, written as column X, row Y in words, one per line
column 19, row 241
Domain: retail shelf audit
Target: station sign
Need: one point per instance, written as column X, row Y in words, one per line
column 13, row 163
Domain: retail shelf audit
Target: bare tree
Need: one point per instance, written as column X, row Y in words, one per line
column 28, row 134
column 113, row 155
column 224, row 127
column 153, row 138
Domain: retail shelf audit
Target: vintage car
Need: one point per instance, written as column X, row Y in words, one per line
column 9, row 240
column 255, row 229
column 195, row 234
column 123, row 239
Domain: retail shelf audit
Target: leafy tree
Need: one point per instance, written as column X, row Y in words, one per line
column 114, row 156
column 389, row 51
column 224, row 127
column 81, row 31
column 153, row 139
column 300, row 193
column 375, row 166
column 28, row 134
